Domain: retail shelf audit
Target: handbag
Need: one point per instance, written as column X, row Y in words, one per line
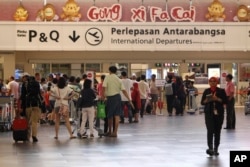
column 63, row 109
column 101, row 110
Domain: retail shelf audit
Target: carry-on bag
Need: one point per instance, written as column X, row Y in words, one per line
column 20, row 129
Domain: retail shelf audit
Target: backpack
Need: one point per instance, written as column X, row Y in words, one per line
column 169, row 89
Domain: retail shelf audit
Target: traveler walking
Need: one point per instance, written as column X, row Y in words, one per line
column 33, row 104
column 144, row 92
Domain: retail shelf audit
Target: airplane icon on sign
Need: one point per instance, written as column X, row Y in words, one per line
column 94, row 36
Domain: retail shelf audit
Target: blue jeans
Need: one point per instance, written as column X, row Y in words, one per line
column 130, row 115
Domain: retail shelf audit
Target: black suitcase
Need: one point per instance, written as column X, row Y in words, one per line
column 20, row 129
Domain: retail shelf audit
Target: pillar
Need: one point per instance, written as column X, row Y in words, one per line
column 9, row 64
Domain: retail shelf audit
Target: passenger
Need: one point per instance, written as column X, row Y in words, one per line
column 52, row 100
column 144, row 92
column 133, row 78
column 84, row 76
column 112, row 86
column 154, row 93
column 213, row 99
column 127, row 83
column 231, row 102
column 169, row 95
column 42, row 106
column 63, row 94
column 13, row 90
column 186, row 83
column 100, row 93
column 180, row 94
column 23, row 95
column 87, row 108
column 33, row 103
column 44, row 86
column 136, row 100
column 78, row 79
column 72, row 85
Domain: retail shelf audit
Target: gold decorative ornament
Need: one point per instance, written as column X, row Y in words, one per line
column 40, row 15
column 71, row 11
column 243, row 13
column 21, row 14
column 47, row 13
column 216, row 12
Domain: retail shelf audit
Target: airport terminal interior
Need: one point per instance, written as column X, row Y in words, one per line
column 198, row 39
column 157, row 140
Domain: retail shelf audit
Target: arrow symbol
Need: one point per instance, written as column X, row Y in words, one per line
column 75, row 37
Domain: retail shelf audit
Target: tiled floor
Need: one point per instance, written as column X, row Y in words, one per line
column 156, row 141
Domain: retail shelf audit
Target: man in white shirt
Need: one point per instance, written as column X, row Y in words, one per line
column 144, row 91
column 128, row 84
column 13, row 90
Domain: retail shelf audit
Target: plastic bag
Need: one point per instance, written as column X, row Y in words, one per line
column 101, row 113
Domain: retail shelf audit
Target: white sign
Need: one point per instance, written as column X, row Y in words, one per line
column 160, row 82
column 125, row 36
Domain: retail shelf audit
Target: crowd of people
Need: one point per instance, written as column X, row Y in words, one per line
column 48, row 99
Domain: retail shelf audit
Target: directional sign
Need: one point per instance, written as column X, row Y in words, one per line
column 94, row 36
column 74, row 37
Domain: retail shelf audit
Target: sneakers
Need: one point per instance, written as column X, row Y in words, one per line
column 84, row 135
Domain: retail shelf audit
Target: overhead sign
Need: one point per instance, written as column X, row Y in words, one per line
column 125, row 36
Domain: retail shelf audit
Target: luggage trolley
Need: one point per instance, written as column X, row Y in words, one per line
column 192, row 106
column 7, row 112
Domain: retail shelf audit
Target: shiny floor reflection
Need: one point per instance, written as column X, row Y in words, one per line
column 156, row 141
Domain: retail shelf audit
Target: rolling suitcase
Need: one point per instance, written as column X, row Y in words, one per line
column 20, row 129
